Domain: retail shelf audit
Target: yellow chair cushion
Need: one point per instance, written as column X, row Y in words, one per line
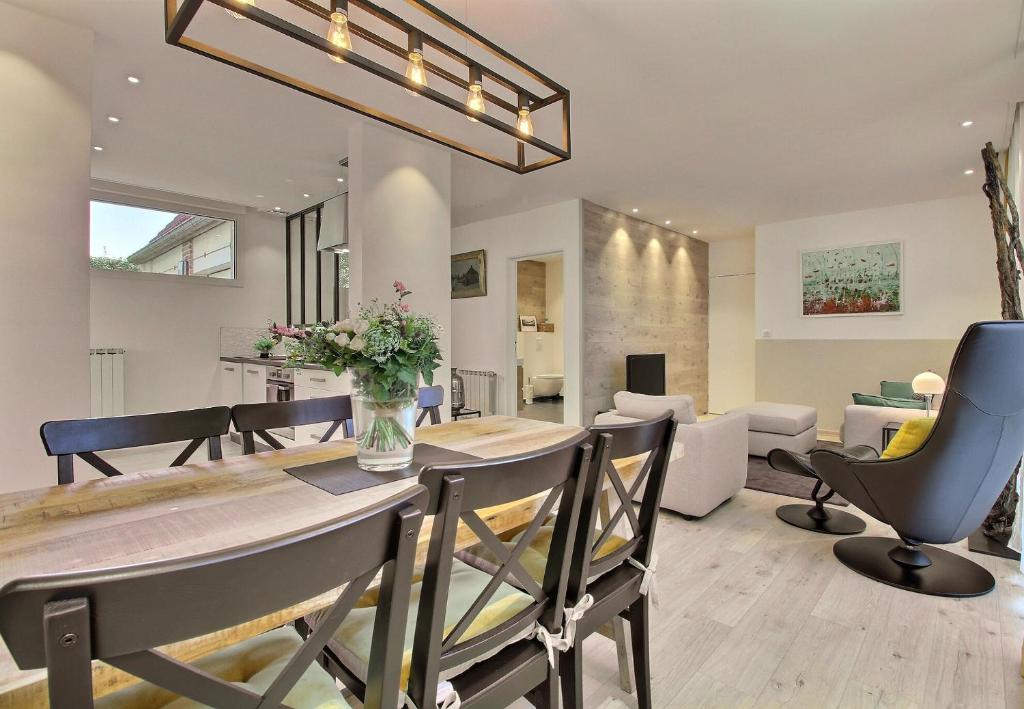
column 253, row 664
column 352, row 640
column 909, row 438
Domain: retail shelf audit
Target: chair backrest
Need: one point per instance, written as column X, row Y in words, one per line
column 943, row 491
column 649, row 444
column 259, row 419
column 429, row 401
column 86, row 437
column 119, row 615
column 556, row 474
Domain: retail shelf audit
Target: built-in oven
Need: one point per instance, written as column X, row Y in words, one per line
column 281, row 387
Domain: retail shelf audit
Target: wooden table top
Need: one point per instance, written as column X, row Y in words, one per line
column 205, row 507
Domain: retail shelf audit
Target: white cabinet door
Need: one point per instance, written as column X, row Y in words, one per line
column 323, row 379
column 230, row 383
column 254, row 384
column 312, row 433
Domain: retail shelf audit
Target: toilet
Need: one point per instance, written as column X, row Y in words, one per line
column 546, row 384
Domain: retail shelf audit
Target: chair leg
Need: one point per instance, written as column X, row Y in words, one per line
column 570, row 670
column 639, row 633
column 622, row 653
column 545, row 695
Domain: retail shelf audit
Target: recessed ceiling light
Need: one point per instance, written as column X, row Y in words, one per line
column 667, row 222
column 98, row 148
column 341, row 179
column 113, row 119
column 259, row 196
column 967, row 124
column 277, row 209
column 134, row 80
column 305, row 195
column 968, row 172
column 695, row 231
column 635, row 210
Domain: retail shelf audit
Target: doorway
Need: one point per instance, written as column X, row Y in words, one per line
column 540, row 337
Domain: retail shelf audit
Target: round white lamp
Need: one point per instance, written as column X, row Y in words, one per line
column 929, row 384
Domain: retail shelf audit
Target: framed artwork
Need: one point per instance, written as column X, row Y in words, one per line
column 528, row 323
column 469, row 274
column 853, row 280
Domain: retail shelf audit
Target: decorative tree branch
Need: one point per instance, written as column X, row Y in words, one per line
column 1009, row 258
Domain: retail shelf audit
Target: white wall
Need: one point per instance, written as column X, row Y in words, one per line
column 45, row 124
column 483, row 333
column 400, row 226
column 731, row 325
column 169, row 325
column 949, row 276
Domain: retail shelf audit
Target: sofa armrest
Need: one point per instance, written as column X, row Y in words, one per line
column 723, row 438
column 862, row 425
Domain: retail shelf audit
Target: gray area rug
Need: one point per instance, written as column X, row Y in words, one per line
column 761, row 476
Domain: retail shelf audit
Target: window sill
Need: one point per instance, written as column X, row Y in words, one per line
column 166, row 278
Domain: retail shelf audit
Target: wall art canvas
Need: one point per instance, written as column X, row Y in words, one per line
column 853, row 280
column 469, row 274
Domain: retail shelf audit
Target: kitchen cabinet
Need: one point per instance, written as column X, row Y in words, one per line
column 318, row 384
column 230, row 383
column 254, row 383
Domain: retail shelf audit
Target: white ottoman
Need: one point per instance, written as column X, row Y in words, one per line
column 790, row 426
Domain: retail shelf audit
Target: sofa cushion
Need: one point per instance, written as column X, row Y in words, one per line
column 896, row 390
column 644, row 406
column 785, row 419
column 909, row 438
column 896, row 403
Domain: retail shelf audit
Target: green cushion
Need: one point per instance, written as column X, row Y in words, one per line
column 254, row 664
column 872, row 400
column 897, row 390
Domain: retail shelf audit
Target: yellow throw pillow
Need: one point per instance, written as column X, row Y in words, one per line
column 909, row 438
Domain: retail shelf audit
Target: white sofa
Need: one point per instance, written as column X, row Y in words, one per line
column 862, row 425
column 708, row 464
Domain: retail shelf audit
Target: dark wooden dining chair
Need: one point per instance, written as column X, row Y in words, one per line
column 86, row 437
column 119, row 615
column 465, row 614
column 259, row 419
column 430, row 400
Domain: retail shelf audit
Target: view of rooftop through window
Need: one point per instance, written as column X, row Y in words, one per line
column 128, row 238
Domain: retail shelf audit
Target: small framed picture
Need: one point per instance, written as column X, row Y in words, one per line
column 469, row 274
column 528, row 323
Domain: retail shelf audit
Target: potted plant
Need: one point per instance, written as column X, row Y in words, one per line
column 387, row 348
column 264, row 345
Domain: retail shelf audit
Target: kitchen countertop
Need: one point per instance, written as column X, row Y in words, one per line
column 269, row 362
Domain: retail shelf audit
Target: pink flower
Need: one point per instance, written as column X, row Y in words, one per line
column 399, row 286
column 406, row 307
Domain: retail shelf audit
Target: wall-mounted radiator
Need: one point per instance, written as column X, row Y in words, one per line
column 480, row 390
column 106, row 368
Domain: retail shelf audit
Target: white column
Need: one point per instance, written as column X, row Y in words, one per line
column 45, row 124
column 400, row 226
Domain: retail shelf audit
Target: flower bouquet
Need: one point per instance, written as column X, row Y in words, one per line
column 387, row 348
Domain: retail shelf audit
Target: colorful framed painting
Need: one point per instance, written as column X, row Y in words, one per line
column 469, row 274
column 853, row 280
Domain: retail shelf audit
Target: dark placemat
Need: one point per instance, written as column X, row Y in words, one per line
column 343, row 475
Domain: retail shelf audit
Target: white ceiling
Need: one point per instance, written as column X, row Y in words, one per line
column 715, row 114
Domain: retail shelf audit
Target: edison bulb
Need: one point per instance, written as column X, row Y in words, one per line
column 251, row 3
column 337, row 34
column 524, row 124
column 416, row 72
column 475, row 101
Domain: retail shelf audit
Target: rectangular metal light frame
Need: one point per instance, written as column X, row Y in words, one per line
column 179, row 14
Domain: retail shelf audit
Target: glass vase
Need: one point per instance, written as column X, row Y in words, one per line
column 385, row 429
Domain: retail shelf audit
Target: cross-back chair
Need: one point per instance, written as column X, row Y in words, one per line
column 259, row 419
column 119, row 615
column 86, row 437
column 429, row 400
column 465, row 615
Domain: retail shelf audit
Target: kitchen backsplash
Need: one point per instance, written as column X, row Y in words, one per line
column 237, row 341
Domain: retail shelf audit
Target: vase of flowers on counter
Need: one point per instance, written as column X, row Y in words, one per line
column 387, row 348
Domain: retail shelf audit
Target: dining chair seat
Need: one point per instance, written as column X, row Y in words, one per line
column 351, row 642
column 252, row 664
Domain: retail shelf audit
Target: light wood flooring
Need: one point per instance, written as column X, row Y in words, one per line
column 756, row 613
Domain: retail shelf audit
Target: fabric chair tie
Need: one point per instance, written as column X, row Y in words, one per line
column 553, row 642
column 447, row 697
column 573, row 614
column 648, row 587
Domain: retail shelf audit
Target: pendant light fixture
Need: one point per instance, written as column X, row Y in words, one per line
column 425, row 65
column 337, row 33
column 251, row 3
column 475, row 100
column 415, row 71
column 524, row 124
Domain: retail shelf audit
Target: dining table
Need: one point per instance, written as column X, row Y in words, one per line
column 215, row 506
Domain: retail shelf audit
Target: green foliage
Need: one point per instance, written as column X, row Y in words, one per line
column 109, row 263
column 264, row 344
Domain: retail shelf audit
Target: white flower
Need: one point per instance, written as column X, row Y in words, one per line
column 344, row 326
column 329, row 335
column 338, row 327
column 356, row 344
column 360, row 327
column 341, row 340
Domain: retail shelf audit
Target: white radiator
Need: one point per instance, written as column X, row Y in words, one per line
column 106, row 370
column 480, row 390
